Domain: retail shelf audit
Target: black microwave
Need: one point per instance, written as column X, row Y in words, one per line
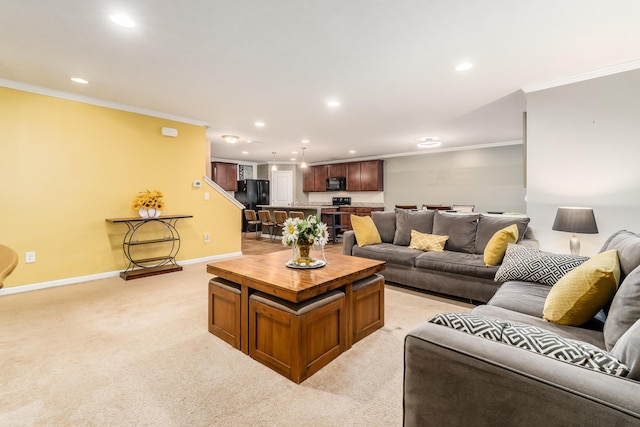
column 336, row 184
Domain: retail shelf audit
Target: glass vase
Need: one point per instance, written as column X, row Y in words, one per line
column 302, row 254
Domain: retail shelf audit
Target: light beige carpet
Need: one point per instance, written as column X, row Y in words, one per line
column 110, row 352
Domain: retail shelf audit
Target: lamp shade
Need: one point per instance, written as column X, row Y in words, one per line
column 575, row 220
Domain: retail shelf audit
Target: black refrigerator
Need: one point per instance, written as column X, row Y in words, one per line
column 252, row 192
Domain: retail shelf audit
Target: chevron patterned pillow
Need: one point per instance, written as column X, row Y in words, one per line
column 533, row 265
column 534, row 339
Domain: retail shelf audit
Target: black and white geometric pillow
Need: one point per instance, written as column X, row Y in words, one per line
column 532, row 265
column 535, row 340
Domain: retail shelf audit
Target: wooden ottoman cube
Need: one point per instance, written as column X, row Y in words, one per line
column 224, row 310
column 368, row 306
column 297, row 339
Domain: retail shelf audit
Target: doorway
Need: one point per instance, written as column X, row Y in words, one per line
column 282, row 188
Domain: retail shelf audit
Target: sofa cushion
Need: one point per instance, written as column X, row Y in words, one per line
column 627, row 349
column 624, row 310
column 386, row 224
column 461, row 230
column 388, row 252
column 533, row 265
column 523, row 297
column 534, row 339
column 497, row 246
column 628, row 246
column 365, row 230
column 406, row 221
column 457, row 263
column 592, row 336
column 427, row 242
column 489, row 225
column 582, row 292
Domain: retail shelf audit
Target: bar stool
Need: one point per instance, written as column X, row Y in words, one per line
column 281, row 217
column 225, row 310
column 297, row 339
column 252, row 219
column 266, row 221
column 296, row 214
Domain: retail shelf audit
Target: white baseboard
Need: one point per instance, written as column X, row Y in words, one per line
column 80, row 279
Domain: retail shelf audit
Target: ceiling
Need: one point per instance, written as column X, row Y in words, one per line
column 391, row 64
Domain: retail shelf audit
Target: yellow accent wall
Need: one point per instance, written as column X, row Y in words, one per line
column 67, row 166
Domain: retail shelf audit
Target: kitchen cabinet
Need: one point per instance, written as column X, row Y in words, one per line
column 365, row 176
column 360, row 211
column 225, row 175
column 337, row 170
column 315, row 178
column 361, row 176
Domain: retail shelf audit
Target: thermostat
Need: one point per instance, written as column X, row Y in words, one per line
column 197, row 184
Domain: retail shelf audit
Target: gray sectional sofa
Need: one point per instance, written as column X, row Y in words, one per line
column 458, row 378
column 458, row 271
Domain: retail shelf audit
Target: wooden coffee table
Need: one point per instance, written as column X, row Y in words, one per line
column 268, row 273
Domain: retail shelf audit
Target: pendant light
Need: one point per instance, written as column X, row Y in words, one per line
column 303, row 165
column 274, row 167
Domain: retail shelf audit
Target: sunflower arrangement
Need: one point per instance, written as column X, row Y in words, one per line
column 149, row 200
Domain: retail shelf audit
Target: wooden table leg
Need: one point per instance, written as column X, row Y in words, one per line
column 244, row 319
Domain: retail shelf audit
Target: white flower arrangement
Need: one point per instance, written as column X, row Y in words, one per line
column 304, row 232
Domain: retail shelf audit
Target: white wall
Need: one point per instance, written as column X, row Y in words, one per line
column 492, row 179
column 583, row 146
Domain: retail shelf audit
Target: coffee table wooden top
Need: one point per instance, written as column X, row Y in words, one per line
column 268, row 273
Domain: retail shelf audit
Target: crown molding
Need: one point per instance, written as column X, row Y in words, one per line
column 25, row 87
column 589, row 75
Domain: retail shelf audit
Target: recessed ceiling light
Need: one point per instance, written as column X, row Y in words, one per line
column 245, row 152
column 464, row 66
column 429, row 142
column 79, row 80
column 352, row 151
column 123, row 21
column 259, row 124
column 333, row 103
column 293, row 159
column 305, row 141
column 294, row 152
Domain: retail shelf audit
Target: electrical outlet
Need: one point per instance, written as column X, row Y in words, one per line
column 206, row 237
column 30, row 257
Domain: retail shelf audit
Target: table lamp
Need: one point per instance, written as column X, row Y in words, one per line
column 575, row 220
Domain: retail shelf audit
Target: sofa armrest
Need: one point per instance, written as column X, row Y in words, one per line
column 348, row 242
column 454, row 378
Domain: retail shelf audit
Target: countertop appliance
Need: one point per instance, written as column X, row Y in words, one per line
column 339, row 201
column 252, row 192
column 336, row 183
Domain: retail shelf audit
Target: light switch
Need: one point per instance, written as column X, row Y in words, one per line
column 206, row 195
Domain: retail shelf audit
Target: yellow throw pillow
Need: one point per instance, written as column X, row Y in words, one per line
column 497, row 246
column 583, row 291
column 365, row 230
column 427, row 242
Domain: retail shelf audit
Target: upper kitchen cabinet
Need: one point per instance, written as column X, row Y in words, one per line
column 225, row 175
column 315, row 178
column 338, row 170
column 365, row 176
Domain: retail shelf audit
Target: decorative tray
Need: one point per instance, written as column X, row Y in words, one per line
column 316, row 264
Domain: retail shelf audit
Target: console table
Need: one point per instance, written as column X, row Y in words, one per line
column 168, row 244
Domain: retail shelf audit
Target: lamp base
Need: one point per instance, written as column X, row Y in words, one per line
column 574, row 245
